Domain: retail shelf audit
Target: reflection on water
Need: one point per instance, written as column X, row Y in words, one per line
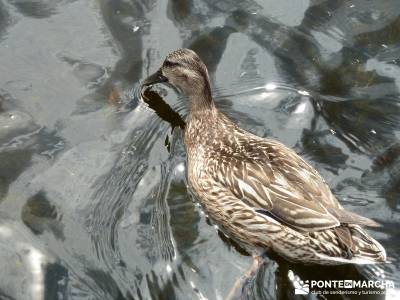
column 94, row 200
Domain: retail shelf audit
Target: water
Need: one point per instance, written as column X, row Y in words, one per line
column 93, row 195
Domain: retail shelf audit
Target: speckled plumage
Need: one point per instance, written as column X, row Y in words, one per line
column 258, row 191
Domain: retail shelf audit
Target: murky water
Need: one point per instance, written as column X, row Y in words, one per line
column 93, row 196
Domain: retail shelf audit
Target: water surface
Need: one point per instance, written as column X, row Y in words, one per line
column 93, row 196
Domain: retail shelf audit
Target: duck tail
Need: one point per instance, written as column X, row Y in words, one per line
column 352, row 245
column 366, row 249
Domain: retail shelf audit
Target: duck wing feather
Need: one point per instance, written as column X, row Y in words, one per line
column 275, row 181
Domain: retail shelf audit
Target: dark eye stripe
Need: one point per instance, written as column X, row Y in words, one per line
column 169, row 63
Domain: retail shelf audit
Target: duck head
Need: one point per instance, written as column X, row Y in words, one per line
column 184, row 70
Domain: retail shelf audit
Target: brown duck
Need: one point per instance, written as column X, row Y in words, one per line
column 258, row 191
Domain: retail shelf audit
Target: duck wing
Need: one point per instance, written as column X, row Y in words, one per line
column 275, row 181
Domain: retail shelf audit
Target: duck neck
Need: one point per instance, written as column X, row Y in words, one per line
column 200, row 100
column 200, row 104
column 200, row 121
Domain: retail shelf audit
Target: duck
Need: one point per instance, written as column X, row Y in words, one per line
column 258, row 191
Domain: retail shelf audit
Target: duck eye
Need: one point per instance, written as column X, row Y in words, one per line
column 169, row 63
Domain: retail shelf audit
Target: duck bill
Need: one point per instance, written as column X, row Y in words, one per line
column 157, row 77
